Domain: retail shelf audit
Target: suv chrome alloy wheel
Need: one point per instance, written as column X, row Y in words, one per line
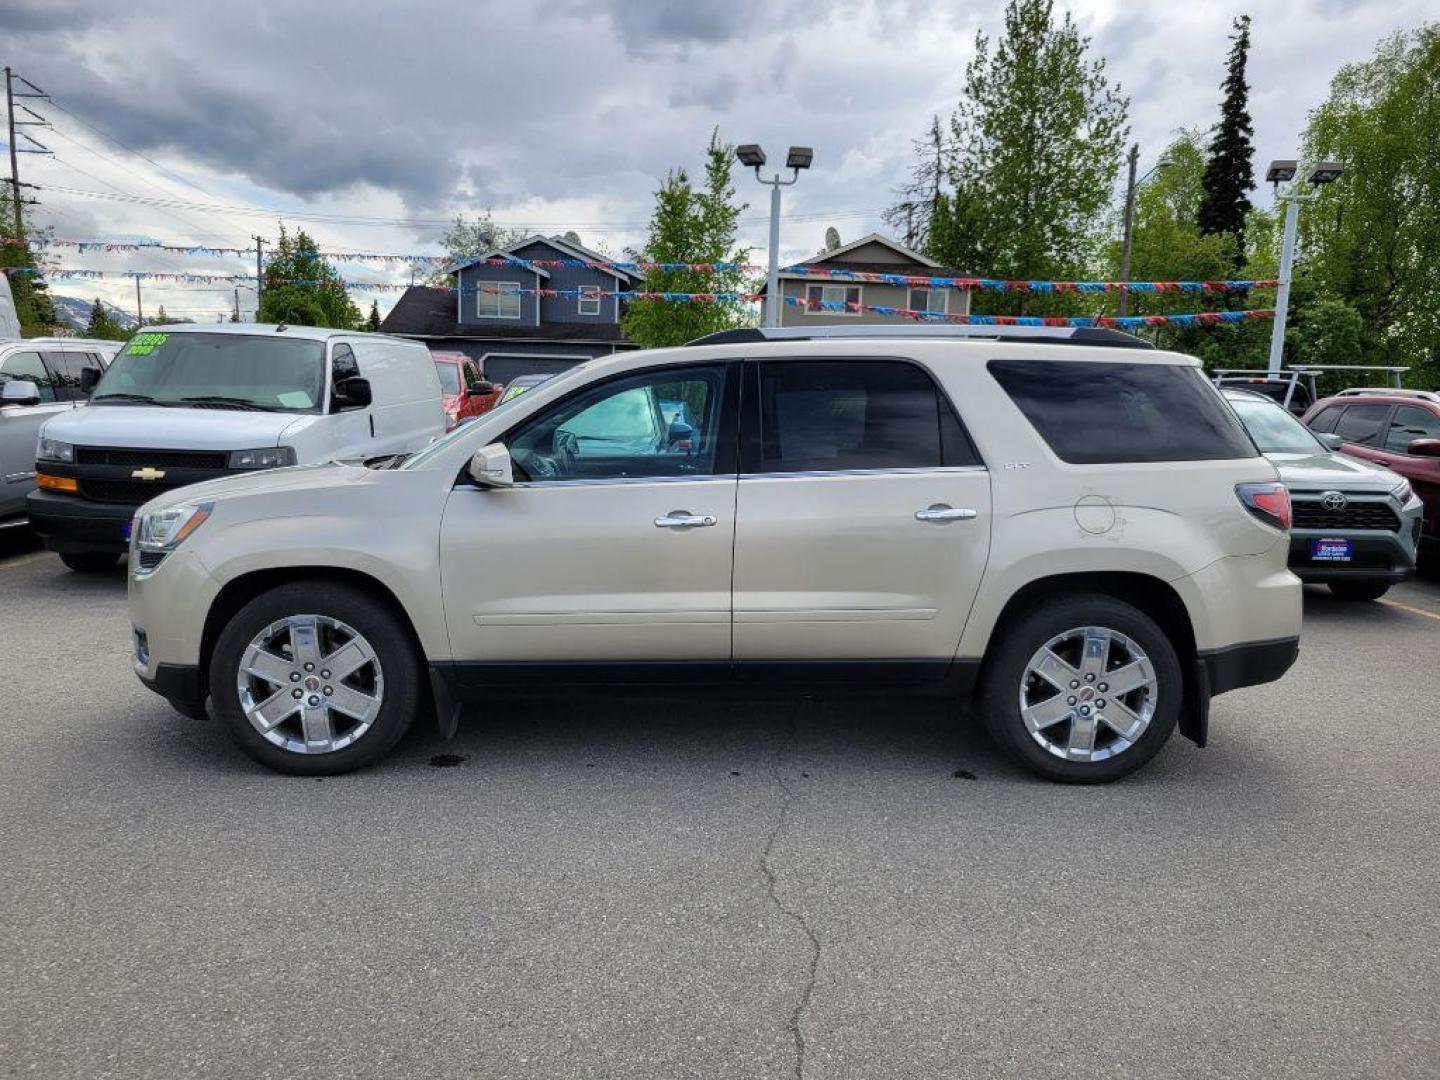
column 310, row 684
column 1088, row 694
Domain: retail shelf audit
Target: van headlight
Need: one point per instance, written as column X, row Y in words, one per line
column 54, row 450
column 267, row 457
column 165, row 530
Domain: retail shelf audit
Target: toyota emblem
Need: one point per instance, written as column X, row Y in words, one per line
column 1334, row 500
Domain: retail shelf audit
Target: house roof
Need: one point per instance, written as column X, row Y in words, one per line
column 907, row 269
column 906, row 255
column 498, row 253
column 430, row 313
column 562, row 247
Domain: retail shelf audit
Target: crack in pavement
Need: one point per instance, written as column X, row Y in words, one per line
column 771, row 883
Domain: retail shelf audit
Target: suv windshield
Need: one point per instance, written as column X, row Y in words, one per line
column 1274, row 430
column 240, row 371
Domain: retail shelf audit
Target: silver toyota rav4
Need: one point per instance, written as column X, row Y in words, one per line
column 1067, row 529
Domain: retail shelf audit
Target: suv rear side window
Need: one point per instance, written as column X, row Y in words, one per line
column 1362, row 424
column 1411, row 422
column 1095, row 413
column 825, row 415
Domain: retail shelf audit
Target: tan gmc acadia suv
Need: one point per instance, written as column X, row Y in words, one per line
column 1066, row 527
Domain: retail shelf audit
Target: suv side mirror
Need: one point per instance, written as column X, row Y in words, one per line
column 490, row 466
column 1329, row 440
column 353, row 393
column 1421, row 447
column 20, row 392
column 681, row 436
column 89, row 378
column 482, row 388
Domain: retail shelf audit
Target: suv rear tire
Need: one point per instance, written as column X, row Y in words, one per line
column 1058, row 661
column 273, row 688
column 1359, row 590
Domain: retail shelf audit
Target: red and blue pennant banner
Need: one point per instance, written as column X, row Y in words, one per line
column 915, row 281
column 1124, row 322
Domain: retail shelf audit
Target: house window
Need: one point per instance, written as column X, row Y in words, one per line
column 589, row 299
column 936, row 300
column 497, row 305
column 831, row 294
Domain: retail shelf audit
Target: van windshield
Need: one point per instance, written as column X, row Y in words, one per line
column 218, row 371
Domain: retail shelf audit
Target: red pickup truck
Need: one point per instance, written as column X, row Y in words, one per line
column 464, row 388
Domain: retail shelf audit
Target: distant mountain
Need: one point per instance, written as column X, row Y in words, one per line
column 75, row 312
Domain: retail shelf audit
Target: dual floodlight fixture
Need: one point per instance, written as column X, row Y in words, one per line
column 1322, row 172
column 752, row 156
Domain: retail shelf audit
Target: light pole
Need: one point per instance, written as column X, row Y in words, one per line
column 752, row 157
column 1286, row 172
column 1131, row 186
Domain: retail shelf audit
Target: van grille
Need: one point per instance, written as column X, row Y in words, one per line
column 1309, row 514
column 139, row 457
column 123, row 492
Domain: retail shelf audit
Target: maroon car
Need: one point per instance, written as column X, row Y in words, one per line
column 1399, row 429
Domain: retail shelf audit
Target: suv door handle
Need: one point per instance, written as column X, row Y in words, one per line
column 683, row 519
column 942, row 512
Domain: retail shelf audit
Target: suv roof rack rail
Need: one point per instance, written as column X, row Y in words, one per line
column 1041, row 335
column 1392, row 391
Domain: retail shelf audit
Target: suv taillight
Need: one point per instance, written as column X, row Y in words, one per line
column 1269, row 502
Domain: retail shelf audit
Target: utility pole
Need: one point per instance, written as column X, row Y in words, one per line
column 1124, row 301
column 14, row 161
column 259, row 273
column 237, row 304
column 139, row 311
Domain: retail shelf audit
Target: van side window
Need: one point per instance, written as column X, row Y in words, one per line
column 27, row 365
column 343, row 364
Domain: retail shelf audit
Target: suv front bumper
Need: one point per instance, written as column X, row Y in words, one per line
column 1374, row 556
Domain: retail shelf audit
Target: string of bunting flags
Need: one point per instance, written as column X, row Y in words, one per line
column 967, row 284
column 1203, row 318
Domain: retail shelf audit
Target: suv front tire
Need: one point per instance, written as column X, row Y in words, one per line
column 1082, row 689
column 315, row 679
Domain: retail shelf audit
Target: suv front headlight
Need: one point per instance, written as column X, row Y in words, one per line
column 54, row 450
column 165, row 530
column 1402, row 491
column 266, row 457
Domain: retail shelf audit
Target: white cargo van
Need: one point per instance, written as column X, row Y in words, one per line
column 181, row 404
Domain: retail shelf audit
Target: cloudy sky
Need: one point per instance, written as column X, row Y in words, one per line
column 371, row 123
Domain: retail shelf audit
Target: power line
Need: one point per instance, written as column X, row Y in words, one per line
column 425, row 223
column 130, row 149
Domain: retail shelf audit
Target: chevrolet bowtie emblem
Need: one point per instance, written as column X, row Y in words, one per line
column 148, row 473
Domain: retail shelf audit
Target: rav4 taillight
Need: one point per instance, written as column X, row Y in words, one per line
column 1269, row 502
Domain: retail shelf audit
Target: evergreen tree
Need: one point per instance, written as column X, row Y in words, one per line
column 373, row 322
column 1036, row 144
column 302, row 288
column 695, row 225
column 102, row 326
column 1228, row 178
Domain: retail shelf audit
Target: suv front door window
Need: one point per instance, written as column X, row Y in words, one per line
column 616, row 540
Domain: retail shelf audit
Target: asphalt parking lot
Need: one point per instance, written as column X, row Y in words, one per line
column 682, row 888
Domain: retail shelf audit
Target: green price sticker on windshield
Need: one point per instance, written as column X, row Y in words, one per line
column 145, row 344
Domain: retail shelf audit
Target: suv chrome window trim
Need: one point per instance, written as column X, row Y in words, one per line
column 605, row 481
column 907, row 470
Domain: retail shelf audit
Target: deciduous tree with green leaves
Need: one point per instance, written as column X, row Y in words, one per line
column 302, row 288
column 1036, row 144
column 1229, row 178
column 1370, row 238
column 32, row 295
column 466, row 239
column 695, row 225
